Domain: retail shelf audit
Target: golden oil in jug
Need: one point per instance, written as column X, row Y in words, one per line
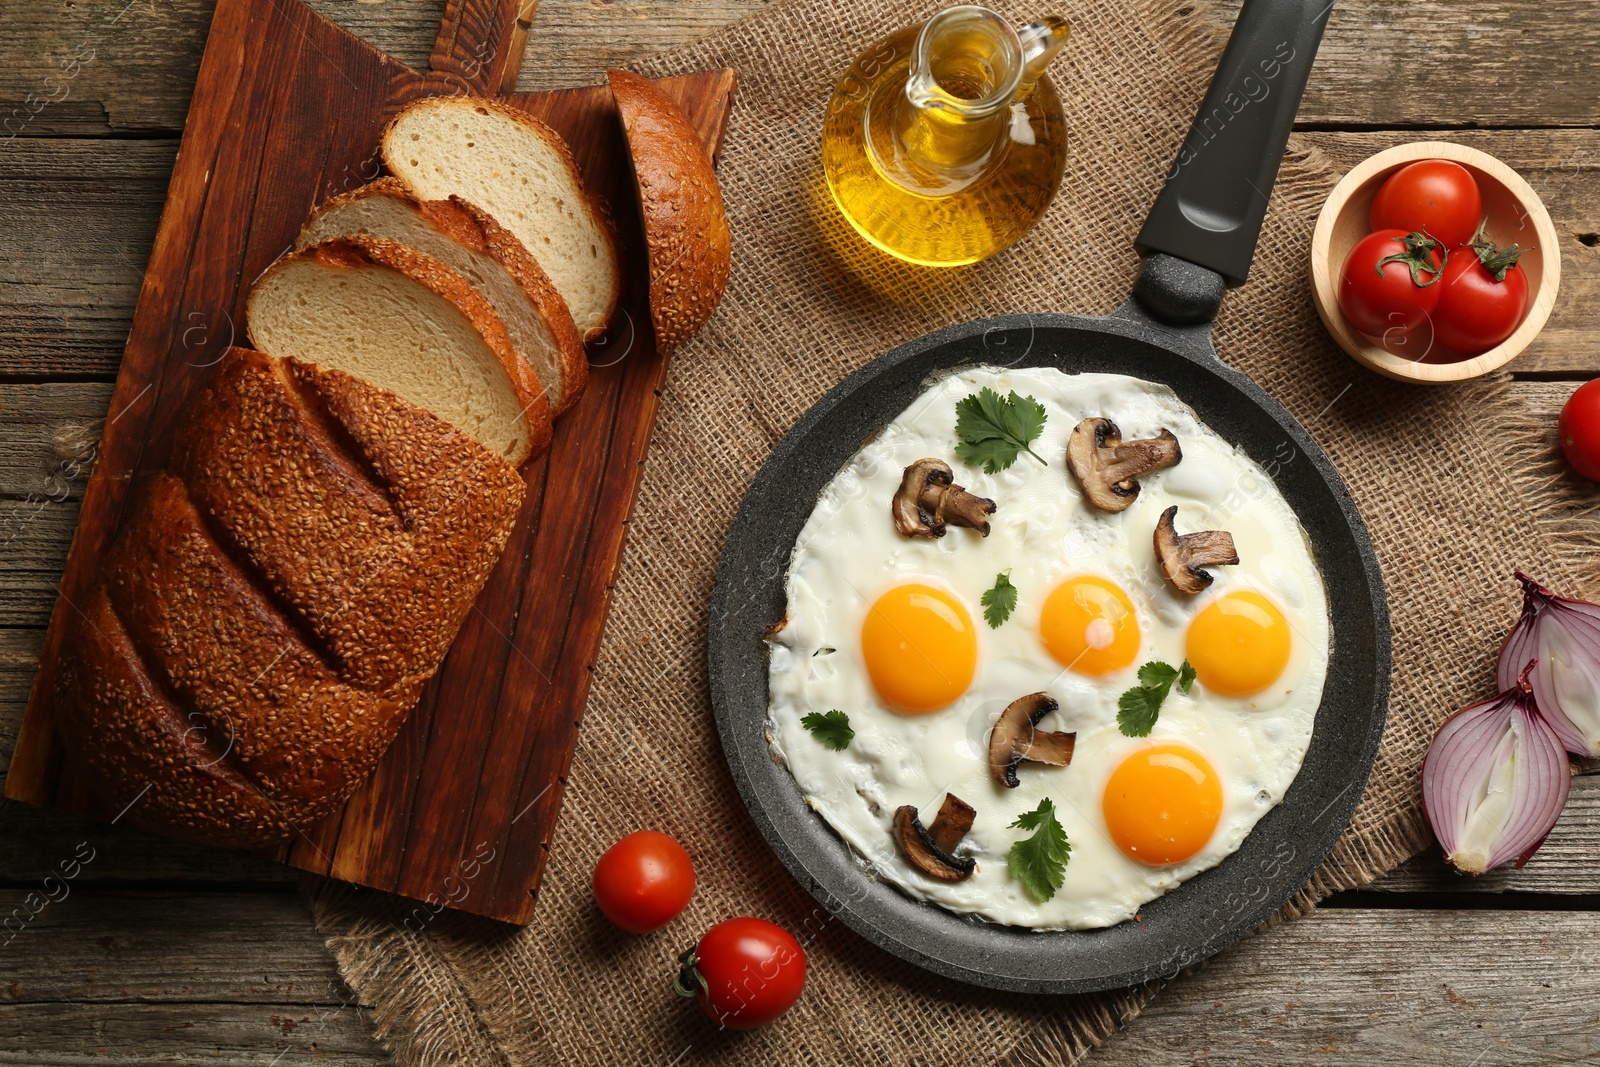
column 943, row 143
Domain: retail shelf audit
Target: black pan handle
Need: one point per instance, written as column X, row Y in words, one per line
column 1201, row 234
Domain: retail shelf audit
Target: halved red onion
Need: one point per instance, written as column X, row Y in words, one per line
column 1494, row 781
column 1563, row 636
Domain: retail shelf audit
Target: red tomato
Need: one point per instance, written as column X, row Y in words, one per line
column 744, row 973
column 1389, row 282
column 643, row 881
column 1476, row 311
column 1432, row 195
column 1579, row 429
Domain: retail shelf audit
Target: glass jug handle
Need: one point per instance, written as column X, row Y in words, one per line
column 1041, row 40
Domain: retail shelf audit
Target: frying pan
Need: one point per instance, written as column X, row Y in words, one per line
column 1198, row 241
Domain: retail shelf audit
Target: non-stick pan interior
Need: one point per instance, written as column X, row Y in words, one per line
column 1207, row 912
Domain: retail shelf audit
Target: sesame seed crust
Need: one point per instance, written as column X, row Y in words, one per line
column 685, row 223
column 276, row 602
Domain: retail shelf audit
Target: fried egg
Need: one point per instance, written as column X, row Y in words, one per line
column 891, row 631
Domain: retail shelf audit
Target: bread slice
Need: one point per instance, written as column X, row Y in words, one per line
column 685, row 224
column 407, row 323
column 520, row 171
column 469, row 241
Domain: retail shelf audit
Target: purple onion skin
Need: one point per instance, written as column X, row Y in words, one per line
column 1461, row 761
column 1581, row 622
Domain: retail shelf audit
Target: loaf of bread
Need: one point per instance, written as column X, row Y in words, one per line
column 521, row 172
column 276, row 601
column 405, row 321
column 469, row 241
column 685, row 224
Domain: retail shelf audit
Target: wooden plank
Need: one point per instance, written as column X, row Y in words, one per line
column 1440, row 64
column 76, row 222
column 48, row 433
column 1350, row 988
column 134, row 1034
column 1563, row 166
column 1433, row 64
column 85, row 945
column 34, row 536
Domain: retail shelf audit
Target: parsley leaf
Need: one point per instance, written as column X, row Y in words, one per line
column 1139, row 707
column 832, row 730
column 1040, row 862
column 999, row 602
column 994, row 430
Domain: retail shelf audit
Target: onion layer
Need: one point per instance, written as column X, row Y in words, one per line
column 1494, row 780
column 1559, row 639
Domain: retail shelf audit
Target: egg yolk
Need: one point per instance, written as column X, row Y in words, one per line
column 920, row 647
column 1162, row 804
column 1089, row 626
column 1238, row 644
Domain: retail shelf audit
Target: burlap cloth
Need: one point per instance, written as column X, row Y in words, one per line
column 1445, row 479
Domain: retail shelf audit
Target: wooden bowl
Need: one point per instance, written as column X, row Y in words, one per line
column 1516, row 215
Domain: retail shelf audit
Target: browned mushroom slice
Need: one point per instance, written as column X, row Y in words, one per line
column 927, row 500
column 1015, row 738
column 1108, row 468
column 931, row 849
column 1181, row 556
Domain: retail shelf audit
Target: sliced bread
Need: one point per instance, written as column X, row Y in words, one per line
column 520, row 171
column 405, row 322
column 469, row 241
column 685, row 225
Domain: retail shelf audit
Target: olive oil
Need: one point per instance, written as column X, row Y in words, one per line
column 944, row 143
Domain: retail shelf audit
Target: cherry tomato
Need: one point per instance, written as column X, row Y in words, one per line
column 1579, row 429
column 1389, row 282
column 744, row 973
column 1476, row 311
column 643, row 881
column 1432, row 195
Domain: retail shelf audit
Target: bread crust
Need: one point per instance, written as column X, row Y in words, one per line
column 346, row 253
column 685, row 222
column 247, row 654
column 476, row 229
column 599, row 210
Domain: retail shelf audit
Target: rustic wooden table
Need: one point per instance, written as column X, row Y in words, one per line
column 156, row 953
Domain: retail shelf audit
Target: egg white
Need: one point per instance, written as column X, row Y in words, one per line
column 849, row 553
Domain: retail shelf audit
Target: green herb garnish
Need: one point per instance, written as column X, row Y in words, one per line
column 994, row 430
column 1139, row 707
column 831, row 729
column 1040, row 862
column 999, row 602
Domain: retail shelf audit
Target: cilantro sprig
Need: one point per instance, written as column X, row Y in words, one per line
column 999, row 602
column 995, row 430
column 1139, row 707
column 831, row 729
column 1039, row 862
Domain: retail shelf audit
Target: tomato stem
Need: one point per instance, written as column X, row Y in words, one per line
column 1417, row 256
column 689, row 981
column 1496, row 261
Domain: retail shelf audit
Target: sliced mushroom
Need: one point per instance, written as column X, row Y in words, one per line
column 931, row 849
column 1015, row 738
column 927, row 500
column 1108, row 467
column 1181, row 556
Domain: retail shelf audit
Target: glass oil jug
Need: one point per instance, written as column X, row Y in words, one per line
column 944, row 143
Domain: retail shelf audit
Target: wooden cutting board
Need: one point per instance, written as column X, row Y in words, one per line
column 286, row 114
